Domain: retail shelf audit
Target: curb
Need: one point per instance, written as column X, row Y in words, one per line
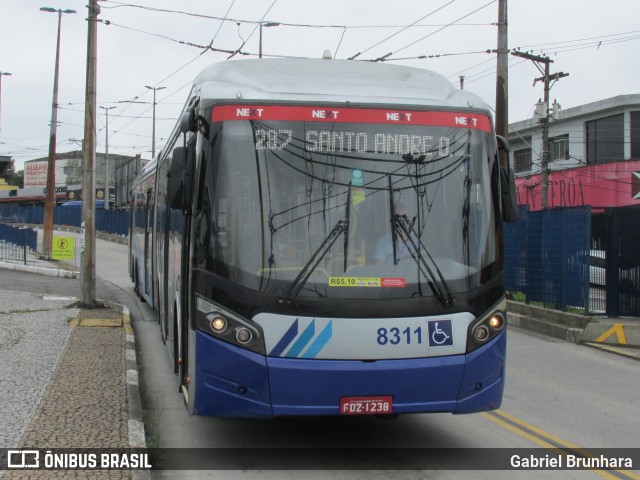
column 49, row 272
column 135, row 424
column 626, row 352
column 619, row 336
column 137, row 438
column 621, row 333
column 549, row 329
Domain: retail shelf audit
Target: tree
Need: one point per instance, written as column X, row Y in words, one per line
column 13, row 177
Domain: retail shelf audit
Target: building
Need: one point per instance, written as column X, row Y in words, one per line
column 68, row 173
column 594, row 155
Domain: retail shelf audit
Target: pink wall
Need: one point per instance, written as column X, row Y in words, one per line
column 609, row 185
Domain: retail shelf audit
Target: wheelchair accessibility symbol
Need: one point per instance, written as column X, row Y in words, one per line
column 440, row 333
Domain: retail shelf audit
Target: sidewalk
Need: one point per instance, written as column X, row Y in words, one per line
column 616, row 335
column 70, row 380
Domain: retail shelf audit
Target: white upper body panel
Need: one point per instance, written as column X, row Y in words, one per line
column 331, row 81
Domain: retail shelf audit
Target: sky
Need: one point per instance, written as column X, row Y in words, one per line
column 162, row 43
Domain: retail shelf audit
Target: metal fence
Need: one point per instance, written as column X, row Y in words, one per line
column 17, row 245
column 575, row 259
column 108, row 221
column 622, row 260
column 547, row 257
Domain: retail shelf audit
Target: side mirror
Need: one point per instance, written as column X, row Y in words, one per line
column 180, row 185
column 188, row 121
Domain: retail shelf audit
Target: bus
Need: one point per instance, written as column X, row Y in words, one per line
column 324, row 237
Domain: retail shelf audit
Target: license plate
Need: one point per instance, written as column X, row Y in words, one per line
column 366, row 405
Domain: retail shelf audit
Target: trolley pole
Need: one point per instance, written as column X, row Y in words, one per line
column 87, row 242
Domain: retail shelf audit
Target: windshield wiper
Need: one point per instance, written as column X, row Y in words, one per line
column 420, row 254
column 400, row 225
column 341, row 227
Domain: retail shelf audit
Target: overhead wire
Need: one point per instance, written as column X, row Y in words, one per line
column 563, row 46
column 258, row 25
column 402, row 30
column 439, row 30
column 204, row 50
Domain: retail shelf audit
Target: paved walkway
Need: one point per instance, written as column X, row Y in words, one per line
column 69, row 380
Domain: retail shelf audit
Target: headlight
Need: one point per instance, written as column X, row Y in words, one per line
column 243, row 335
column 487, row 327
column 217, row 323
column 220, row 323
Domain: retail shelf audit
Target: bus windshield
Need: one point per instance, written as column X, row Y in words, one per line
column 355, row 208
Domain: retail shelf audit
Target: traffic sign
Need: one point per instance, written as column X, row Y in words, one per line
column 63, row 248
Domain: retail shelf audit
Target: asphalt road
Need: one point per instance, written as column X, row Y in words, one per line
column 557, row 394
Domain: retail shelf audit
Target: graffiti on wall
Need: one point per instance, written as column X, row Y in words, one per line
column 609, row 185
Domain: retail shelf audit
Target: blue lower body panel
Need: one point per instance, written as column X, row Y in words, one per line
column 233, row 382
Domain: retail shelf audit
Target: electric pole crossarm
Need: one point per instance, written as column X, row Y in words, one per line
column 534, row 58
column 552, row 76
column 556, row 76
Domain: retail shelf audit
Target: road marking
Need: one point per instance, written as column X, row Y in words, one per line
column 54, row 298
column 618, row 329
column 547, row 440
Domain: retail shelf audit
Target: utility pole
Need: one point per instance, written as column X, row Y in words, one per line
column 50, row 194
column 106, row 160
column 546, row 79
column 153, row 131
column 88, row 246
column 502, row 80
column 1, row 75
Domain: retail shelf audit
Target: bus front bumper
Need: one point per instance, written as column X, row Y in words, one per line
column 232, row 382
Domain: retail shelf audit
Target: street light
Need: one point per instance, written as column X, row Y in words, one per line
column 106, row 160
column 1, row 75
column 49, row 198
column 265, row 24
column 153, row 134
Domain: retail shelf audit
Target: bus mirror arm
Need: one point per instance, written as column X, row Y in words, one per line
column 180, row 184
column 508, row 195
column 503, row 144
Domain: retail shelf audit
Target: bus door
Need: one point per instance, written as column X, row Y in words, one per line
column 148, row 238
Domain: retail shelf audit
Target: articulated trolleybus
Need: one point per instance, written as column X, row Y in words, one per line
column 324, row 237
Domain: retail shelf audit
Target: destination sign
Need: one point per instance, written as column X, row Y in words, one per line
column 464, row 120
